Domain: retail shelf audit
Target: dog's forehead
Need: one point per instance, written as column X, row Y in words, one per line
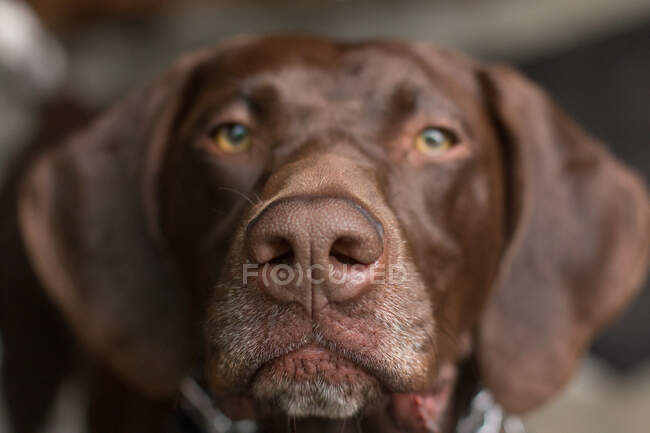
column 313, row 70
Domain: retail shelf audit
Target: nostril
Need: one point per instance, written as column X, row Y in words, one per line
column 343, row 259
column 273, row 251
column 284, row 259
column 349, row 251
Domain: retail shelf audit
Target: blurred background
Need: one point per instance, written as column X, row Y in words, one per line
column 61, row 61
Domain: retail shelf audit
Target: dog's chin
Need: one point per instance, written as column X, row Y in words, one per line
column 314, row 382
column 316, row 398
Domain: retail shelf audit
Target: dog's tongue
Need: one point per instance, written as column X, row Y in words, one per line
column 424, row 412
column 417, row 413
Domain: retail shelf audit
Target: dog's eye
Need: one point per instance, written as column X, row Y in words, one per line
column 231, row 137
column 435, row 141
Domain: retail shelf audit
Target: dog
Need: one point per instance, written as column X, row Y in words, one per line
column 332, row 233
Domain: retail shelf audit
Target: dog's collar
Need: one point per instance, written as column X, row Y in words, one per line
column 33, row 60
column 484, row 416
column 487, row 416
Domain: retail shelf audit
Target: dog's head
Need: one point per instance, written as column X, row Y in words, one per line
column 333, row 226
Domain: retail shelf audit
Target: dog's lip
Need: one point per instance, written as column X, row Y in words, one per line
column 307, row 352
column 357, row 360
column 311, row 352
column 314, row 352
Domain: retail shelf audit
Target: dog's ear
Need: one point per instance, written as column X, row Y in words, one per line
column 87, row 215
column 578, row 247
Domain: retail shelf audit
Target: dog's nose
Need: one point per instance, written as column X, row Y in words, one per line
column 315, row 250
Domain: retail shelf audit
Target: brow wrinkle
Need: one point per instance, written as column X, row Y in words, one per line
column 403, row 102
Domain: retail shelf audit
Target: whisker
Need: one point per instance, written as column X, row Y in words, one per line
column 434, row 346
column 239, row 193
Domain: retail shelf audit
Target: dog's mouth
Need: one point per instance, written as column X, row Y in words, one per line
column 313, row 381
column 311, row 362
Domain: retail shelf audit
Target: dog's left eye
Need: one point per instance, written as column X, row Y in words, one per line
column 434, row 141
column 231, row 137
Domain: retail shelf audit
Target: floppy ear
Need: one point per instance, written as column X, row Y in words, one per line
column 87, row 215
column 578, row 249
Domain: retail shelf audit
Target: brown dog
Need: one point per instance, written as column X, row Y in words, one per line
column 333, row 230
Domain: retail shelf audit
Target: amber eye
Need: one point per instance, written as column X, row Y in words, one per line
column 232, row 137
column 434, row 141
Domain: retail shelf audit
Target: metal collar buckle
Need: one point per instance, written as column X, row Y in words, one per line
column 486, row 416
column 31, row 58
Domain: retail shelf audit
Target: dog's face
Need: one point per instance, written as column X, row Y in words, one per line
column 333, row 227
column 341, row 207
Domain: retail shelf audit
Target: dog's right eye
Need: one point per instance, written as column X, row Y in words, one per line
column 433, row 141
column 231, row 137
